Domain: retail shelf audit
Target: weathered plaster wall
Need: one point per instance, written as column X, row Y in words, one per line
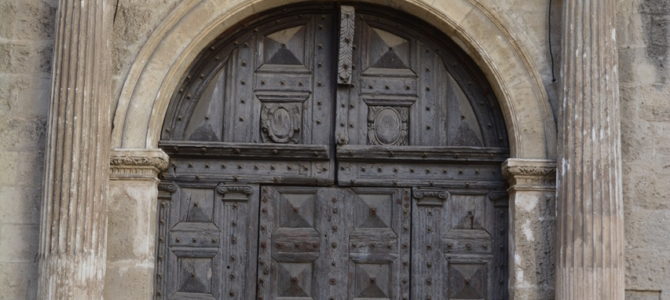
column 26, row 42
column 644, row 41
column 26, row 39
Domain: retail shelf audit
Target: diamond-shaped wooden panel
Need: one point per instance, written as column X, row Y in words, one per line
column 467, row 280
column 296, row 210
column 295, row 280
column 387, row 50
column 197, row 205
column 373, row 211
column 285, row 47
column 195, row 275
column 372, row 281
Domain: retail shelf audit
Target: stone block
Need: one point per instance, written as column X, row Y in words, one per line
column 129, row 281
column 545, row 293
column 19, row 242
column 34, row 20
column 643, row 295
column 18, row 280
column 132, row 220
column 30, row 58
column 5, row 57
column 635, row 68
column 20, row 205
column 22, row 134
column 21, row 168
column 8, row 17
column 646, row 227
column 26, row 96
column 647, row 269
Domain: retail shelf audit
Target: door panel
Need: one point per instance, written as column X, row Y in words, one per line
column 458, row 244
column 258, row 101
column 415, row 100
column 331, row 243
column 207, row 241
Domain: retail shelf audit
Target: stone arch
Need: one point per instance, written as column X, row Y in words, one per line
column 193, row 24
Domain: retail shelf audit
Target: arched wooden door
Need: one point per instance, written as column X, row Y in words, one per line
column 333, row 152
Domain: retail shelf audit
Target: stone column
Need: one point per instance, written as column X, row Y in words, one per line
column 131, row 243
column 590, row 210
column 74, row 220
column 532, row 192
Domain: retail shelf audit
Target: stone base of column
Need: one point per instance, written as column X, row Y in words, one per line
column 75, row 276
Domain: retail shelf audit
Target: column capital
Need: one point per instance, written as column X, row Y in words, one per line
column 530, row 174
column 137, row 164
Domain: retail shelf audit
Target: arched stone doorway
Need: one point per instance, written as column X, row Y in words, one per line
column 304, row 166
column 155, row 76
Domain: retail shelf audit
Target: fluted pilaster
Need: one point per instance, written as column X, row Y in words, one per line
column 590, row 209
column 74, row 221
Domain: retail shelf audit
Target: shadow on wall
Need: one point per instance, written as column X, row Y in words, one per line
column 655, row 16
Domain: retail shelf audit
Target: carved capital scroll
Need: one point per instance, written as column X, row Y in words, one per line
column 430, row 197
column 234, row 192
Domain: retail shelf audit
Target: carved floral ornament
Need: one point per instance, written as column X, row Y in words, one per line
column 159, row 163
column 140, row 164
column 531, row 173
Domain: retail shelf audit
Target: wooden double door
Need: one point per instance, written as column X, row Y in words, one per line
column 297, row 242
column 333, row 152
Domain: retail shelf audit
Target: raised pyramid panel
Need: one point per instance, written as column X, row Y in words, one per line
column 296, row 210
column 285, row 47
column 195, row 275
column 470, row 212
column 373, row 211
column 198, row 205
column 295, row 280
column 372, row 281
column 467, row 280
column 387, row 50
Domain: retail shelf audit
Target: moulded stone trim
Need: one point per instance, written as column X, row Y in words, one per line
column 168, row 53
column 530, row 174
column 137, row 164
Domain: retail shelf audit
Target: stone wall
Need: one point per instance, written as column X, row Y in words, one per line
column 26, row 45
column 26, row 41
column 644, row 55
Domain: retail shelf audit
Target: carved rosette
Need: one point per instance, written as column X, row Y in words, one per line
column 530, row 174
column 137, row 164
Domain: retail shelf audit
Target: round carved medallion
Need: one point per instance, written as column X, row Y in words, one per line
column 387, row 125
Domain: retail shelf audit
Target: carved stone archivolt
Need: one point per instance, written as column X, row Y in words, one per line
column 137, row 164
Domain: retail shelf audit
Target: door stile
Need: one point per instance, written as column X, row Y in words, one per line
column 429, row 267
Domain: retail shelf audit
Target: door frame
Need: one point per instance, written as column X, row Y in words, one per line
column 154, row 76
